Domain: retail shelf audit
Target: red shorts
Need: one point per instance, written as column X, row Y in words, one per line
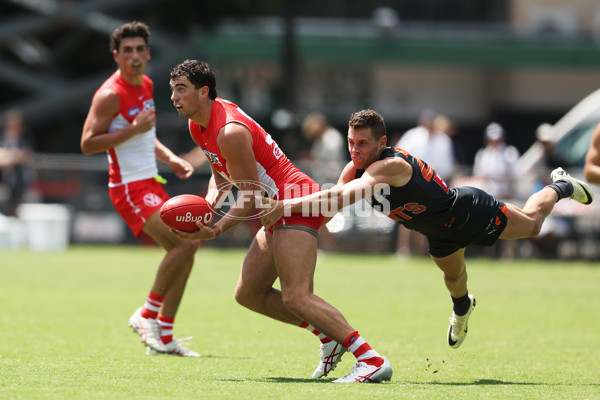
column 297, row 219
column 137, row 201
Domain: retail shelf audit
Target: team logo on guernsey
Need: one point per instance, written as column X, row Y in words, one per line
column 133, row 111
column 152, row 200
column 148, row 104
column 213, row 158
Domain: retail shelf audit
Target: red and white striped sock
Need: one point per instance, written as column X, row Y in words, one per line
column 152, row 305
column 362, row 351
column 166, row 328
column 322, row 337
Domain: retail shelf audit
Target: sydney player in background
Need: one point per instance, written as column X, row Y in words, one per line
column 409, row 191
column 121, row 122
column 242, row 153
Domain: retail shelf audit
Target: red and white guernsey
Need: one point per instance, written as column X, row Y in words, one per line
column 275, row 170
column 134, row 159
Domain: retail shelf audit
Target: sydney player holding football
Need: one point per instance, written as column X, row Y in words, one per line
column 121, row 122
column 410, row 192
column 241, row 153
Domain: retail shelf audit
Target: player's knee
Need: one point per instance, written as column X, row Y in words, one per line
column 243, row 297
column 294, row 301
column 187, row 248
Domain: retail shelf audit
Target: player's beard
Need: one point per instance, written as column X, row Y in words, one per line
column 183, row 114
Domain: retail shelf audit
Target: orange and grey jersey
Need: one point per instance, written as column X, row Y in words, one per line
column 423, row 204
column 451, row 218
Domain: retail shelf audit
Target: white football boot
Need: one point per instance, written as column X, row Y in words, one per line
column 331, row 354
column 457, row 331
column 149, row 331
column 365, row 373
column 175, row 348
column 582, row 193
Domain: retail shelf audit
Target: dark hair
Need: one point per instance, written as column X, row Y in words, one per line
column 129, row 30
column 369, row 119
column 199, row 74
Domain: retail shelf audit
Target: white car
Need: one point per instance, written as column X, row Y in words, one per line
column 572, row 135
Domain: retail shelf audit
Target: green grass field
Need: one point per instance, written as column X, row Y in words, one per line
column 534, row 335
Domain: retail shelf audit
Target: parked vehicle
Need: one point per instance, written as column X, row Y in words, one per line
column 572, row 134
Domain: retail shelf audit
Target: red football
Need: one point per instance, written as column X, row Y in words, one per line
column 182, row 212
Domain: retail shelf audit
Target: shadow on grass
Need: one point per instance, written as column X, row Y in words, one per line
column 286, row 379
column 225, row 357
column 478, row 382
column 484, row 382
column 277, row 379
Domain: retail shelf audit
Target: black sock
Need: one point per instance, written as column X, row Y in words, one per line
column 562, row 187
column 462, row 304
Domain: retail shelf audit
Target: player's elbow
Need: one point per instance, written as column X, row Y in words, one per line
column 87, row 148
column 86, row 151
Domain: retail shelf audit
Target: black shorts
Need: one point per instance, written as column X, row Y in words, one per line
column 485, row 220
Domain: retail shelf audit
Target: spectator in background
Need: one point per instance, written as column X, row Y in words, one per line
column 328, row 148
column 441, row 147
column 555, row 227
column 494, row 163
column 327, row 158
column 415, row 139
column 494, row 172
column 552, row 159
column 16, row 160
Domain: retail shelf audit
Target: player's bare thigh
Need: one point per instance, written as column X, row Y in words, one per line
column 519, row 224
column 258, row 270
column 295, row 254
